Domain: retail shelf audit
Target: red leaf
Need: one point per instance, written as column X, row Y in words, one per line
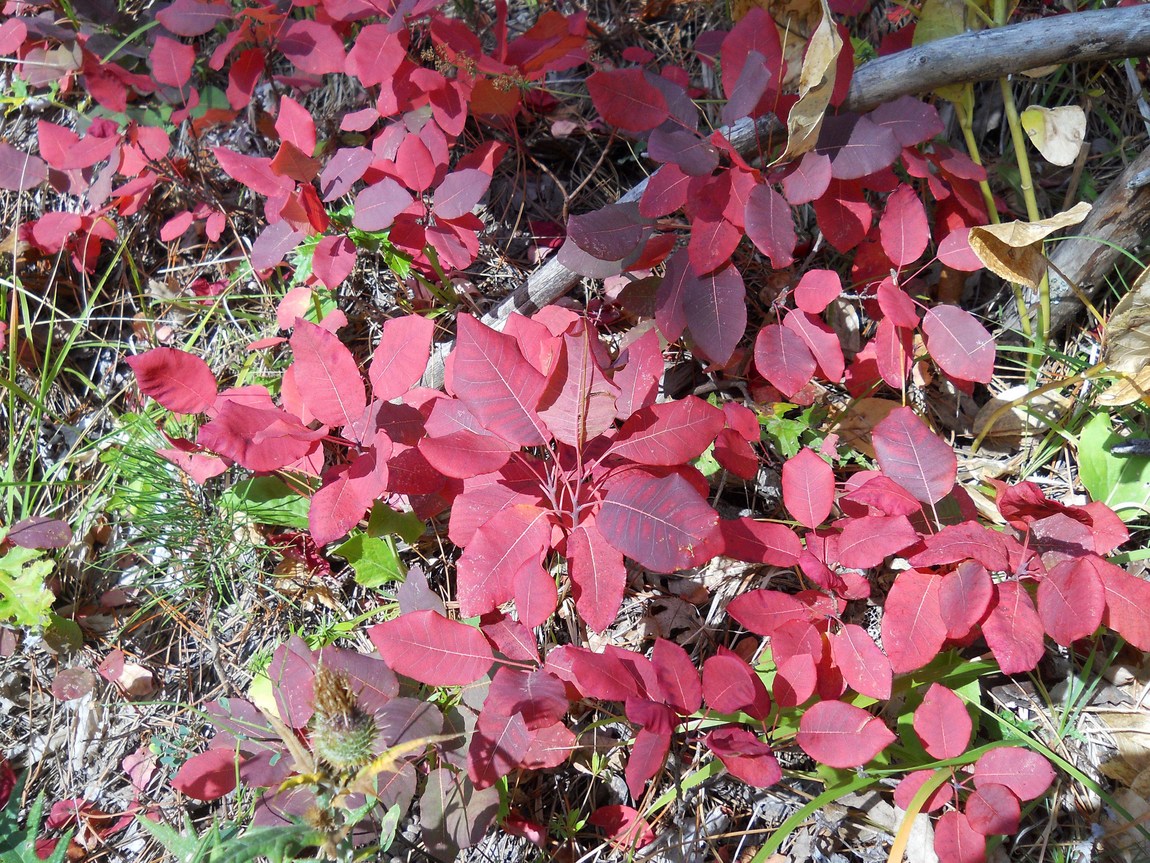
column 745, row 756
column 498, row 744
column 491, row 377
column 487, row 570
column 626, row 99
column 662, row 523
column 903, row 228
column 912, row 629
column 730, row 686
column 273, row 244
column 578, row 403
column 760, row 542
column 611, row 233
column 295, row 124
column 824, row 343
column 207, row 776
column 908, row 787
column 955, row 841
column 733, row 453
column 648, row 752
column 336, row 508
column 843, row 215
column 1071, row 601
column 896, row 305
column 459, row 192
column 624, row 827
column 913, row 456
column 377, row 206
column 711, row 244
column 809, row 181
column 665, row 192
column 333, row 261
column 911, row 120
column 678, row 677
column 669, row 433
column 538, row 695
column 1025, row 773
column 966, row 541
column 964, row 597
column 20, row 171
column 254, row 172
column 864, row 667
column 179, row 381
column 377, row 54
column 430, row 648
column 993, row 809
column 808, row 488
column 171, row 61
column 841, row 735
column 1013, row 629
column 1127, row 598
column 954, row 251
column 313, row 47
column 942, row 723
column 598, row 575
column 869, row 149
column 415, row 164
column 817, row 289
column 867, row 541
column 260, row 439
column 959, row 344
column 192, row 18
column 784, row 359
column 770, row 226
column 335, row 393
column 764, row 611
column 64, row 151
column 400, row 358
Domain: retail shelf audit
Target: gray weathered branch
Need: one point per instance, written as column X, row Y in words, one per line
column 1080, row 37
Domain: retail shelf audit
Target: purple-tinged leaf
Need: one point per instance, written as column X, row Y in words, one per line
column 598, row 575
column 903, row 229
column 377, row 206
column 669, row 433
column 495, row 555
column 662, row 523
column 344, row 169
column 770, row 226
column 192, row 18
column 809, row 180
column 459, row 192
column 20, row 171
column 913, row 456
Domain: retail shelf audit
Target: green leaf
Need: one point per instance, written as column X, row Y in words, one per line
column 24, row 600
column 1121, row 482
column 18, row 844
column 374, row 559
column 277, row 843
column 384, row 520
column 267, row 500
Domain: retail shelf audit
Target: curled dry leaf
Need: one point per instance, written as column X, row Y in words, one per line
column 1011, row 250
column 816, row 83
column 1057, row 133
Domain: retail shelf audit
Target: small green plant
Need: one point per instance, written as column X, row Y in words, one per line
column 18, row 836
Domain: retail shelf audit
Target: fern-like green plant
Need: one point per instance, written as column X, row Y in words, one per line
column 18, row 839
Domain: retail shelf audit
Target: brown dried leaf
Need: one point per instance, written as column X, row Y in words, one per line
column 1012, row 250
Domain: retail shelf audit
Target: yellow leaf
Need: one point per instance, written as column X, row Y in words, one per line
column 1012, row 250
column 1057, row 133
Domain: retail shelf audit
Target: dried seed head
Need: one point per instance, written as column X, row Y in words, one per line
column 342, row 734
